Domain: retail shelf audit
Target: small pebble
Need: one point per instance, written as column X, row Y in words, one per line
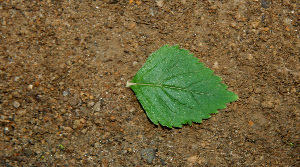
column 233, row 24
column 267, row 104
column 5, row 130
column 97, row 107
column 21, row 112
column 148, row 154
column 134, row 63
column 118, row 108
column 65, row 93
column 265, row 4
column 17, row 79
column 132, row 109
column 192, row 159
column 91, row 104
column 131, row 26
column 97, row 145
column 129, row 150
column 265, row 29
column 29, row 87
column 255, row 24
column 216, row 65
column 98, row 121
column 160, row 3
column 16, row 104
column 16, row 94
column 287, row 21
column 68, row 129
column 73, row 101
column 79, row 123
column 76, row 124
column 287, row 28
column 37, row 83
column 84, row 131
column 27, row 152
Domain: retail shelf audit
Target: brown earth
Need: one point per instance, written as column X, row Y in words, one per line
column 64, row 66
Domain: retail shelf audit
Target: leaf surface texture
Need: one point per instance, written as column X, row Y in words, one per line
column 174, row 88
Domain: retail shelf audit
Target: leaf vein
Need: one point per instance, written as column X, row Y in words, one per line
column 174, row 76
column 176, row 100
column 172, row 87
column 148, row 71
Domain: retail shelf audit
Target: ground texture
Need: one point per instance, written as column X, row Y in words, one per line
column 64, row 66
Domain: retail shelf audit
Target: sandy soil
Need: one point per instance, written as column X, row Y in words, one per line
column 64, row 66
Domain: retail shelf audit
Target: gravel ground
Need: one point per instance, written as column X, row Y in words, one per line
column 64, row 66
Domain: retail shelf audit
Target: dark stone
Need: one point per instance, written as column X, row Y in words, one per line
column 148, row 154
column 265, row 4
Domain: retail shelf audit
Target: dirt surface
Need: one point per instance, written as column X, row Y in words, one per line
column 64, row 66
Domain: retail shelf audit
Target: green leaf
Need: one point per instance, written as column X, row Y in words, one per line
column 174, row 88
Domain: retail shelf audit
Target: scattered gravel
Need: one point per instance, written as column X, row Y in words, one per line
column 58, row 58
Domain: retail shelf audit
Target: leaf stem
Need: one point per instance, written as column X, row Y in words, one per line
column 129, row 84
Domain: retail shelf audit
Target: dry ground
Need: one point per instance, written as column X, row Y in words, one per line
column 64, row 66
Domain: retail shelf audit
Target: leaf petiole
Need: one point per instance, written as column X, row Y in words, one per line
column 129, row 84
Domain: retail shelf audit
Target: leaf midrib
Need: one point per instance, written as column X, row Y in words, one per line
column 168, row 86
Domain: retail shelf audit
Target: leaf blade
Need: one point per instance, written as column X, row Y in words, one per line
column 174, row 88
